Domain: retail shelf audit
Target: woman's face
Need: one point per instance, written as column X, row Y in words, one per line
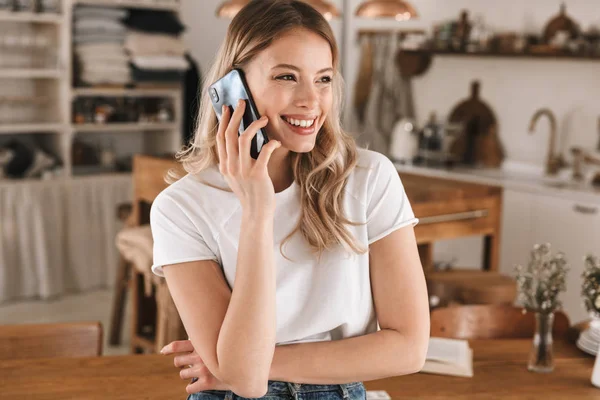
column 290, row 82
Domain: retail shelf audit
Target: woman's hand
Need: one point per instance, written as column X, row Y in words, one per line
column 248, row 178
column 193, row 367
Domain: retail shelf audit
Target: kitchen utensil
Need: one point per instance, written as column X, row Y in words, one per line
column 561, row 22
column 404, row 143
column 479, row 143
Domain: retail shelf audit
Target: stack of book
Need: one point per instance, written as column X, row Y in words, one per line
column 449, row 357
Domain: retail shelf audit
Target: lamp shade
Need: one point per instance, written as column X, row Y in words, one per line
column 397, row 9
column 230, row 8
column 328, row 10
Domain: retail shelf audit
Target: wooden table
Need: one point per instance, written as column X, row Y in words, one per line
column 500, row 369
column 449, row 209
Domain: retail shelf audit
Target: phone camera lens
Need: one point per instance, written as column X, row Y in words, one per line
column 215, row 96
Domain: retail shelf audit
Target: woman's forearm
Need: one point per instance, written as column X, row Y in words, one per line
column 247, row 337
column 378, row 355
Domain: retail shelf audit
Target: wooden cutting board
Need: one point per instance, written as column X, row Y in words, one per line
column 479, row 144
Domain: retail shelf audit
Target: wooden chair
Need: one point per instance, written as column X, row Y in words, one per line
column 475, row 286
column 490, row 322
column 152, row 324
column 77, row 339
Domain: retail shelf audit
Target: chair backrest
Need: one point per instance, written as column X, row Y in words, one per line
column 149, row 174
column 77, row 339
column 490, row 322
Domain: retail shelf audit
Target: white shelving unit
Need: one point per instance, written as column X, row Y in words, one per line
column 167, row 5
column 125, row 127
column 56, row 83
column 32, row 128
column 141, row 92
column 50, row 220
column 24, row 16
column 30, row 73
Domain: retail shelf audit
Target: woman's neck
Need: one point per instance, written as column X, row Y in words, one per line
column 280, row 169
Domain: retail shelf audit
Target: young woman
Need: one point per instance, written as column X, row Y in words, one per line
column 296, row 275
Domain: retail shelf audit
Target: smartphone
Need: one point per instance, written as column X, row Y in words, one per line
column 227, row 91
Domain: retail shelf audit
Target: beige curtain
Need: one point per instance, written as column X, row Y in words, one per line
column 59, row 236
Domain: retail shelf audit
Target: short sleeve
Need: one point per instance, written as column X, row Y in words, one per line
column 176, row 238
column 388, row 208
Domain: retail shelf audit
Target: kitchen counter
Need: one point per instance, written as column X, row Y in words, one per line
column 449, row 209
column 513, row 177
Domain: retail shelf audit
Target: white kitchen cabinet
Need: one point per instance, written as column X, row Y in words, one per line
column 573, row 228
column 516, row 238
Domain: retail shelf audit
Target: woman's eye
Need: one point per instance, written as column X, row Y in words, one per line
column 326, row 79
column 283, row 77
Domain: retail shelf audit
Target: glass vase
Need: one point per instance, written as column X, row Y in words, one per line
column 541, row 358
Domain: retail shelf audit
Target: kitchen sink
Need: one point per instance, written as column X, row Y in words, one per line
column 565, row 184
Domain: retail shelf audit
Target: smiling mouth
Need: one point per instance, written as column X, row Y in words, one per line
column 301, row 130
column 297, row 123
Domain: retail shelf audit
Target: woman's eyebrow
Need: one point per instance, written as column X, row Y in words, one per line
column 290, row 66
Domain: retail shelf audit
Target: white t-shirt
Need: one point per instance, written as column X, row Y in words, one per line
column 315, row 301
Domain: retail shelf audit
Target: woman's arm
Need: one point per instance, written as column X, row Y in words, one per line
column 374, row 356
column 399, row 348
column 247, row 339
column 233, row 331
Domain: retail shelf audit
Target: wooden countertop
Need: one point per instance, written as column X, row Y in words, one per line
column 500, row 371
column 423, row 189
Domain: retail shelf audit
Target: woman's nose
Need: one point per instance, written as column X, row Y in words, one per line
column 307, row 97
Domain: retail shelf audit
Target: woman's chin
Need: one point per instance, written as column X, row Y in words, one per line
column 305, row 146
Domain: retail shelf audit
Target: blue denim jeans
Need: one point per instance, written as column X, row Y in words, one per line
column 279, row 390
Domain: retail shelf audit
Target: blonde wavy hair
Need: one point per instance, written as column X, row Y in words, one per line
column 321, row 173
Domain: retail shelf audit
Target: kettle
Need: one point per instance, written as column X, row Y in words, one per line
column 404, row 144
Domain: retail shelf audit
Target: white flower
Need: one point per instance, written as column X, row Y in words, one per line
column 597, row 302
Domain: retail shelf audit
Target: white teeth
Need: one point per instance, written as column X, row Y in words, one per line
column 301, row 123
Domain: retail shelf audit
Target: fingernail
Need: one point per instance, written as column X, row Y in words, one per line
column 162, row 351
column 240, row 102
column 223, row 108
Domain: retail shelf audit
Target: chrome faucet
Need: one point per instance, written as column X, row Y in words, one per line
column 554, row 161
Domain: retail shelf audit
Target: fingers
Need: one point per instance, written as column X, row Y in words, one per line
column 265, row 153
column 231, row 138
column 194, row 387
column 221, row 140
column 245, row 140
column 187, row 359
column 178, row 346
column 189, row 373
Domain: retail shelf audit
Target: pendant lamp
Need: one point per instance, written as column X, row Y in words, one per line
column 397, row 9
column 328, row 10
column 230, row 8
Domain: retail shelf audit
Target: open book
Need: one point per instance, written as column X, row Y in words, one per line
column 449, row 357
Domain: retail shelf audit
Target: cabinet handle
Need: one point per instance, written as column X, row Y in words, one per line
column 453, row 217
column 585, row 210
